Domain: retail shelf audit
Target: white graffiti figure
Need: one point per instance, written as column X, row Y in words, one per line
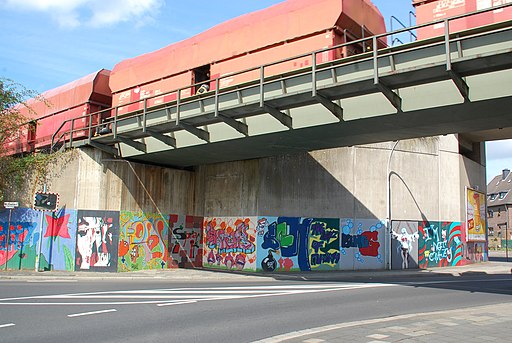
column 405, row 239
column 92, row 242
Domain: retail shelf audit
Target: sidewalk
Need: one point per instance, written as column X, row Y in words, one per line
column 220, row 275
column 490, row 323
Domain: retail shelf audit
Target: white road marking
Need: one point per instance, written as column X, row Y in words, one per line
column 6, row 325
column 90, row 313
column 177, row 303
column 51, row 281
column 181, row 295
column 194, row 294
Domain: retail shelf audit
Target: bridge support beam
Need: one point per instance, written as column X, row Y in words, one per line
column 199, row 133
column 104, row 147
column 331, row 106
column 134, row 144
column 461, row 85
column 235, row 124
column 163, row 138
column 393, row 98
column 283, row 118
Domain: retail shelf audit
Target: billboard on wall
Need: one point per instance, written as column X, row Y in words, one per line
column 475, row 216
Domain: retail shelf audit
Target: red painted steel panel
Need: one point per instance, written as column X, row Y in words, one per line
column 83, row 96
column 430, row 10
column 250, row 34
column 72, row 94
column 47, row 126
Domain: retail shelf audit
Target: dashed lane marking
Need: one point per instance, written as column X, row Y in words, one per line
column 90, row 313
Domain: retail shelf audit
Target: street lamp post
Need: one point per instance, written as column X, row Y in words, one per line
column 388, row 208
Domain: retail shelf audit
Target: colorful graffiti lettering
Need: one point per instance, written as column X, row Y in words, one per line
column 361, row 246
column 324, row 244
column 230, row 243
column 185, row 241
column 142, row 241
column 96, row 240
column 440, row 244
column 299, row 244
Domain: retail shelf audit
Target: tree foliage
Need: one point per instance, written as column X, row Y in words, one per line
column 12, row 97
column 16, row 171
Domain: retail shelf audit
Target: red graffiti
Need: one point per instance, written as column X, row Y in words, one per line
column 373, row 244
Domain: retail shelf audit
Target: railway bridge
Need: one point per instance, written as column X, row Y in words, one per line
column 460, row 82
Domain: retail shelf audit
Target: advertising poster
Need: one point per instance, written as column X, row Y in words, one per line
column 475, row 216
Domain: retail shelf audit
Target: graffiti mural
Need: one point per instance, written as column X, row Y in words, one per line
column 59, row 240
column 19, row 240
column 476, row 252
column 440, row 244
column 298, row 244
column 362, row 244
column 404, row 246
column 142, row 241
column 185, row 242
column 230, row 243
column 96, row 240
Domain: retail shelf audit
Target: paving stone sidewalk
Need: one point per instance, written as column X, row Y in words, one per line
column 490, row 323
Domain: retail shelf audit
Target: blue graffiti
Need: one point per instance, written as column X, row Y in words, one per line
column 289, row 235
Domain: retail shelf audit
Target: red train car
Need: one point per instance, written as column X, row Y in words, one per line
column 76, row 99
column 431, row 10
column 287, row 29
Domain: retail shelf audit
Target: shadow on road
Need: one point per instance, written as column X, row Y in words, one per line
column 501, row 258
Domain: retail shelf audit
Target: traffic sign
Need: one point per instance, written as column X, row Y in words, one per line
column 46, row 201
column 11, row 204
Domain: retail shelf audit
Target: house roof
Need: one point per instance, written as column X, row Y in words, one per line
column 499, row 190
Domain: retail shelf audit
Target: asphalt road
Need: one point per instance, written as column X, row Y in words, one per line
column 150, row 310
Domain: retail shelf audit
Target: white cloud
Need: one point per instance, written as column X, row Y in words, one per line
column 496, row 150
column 92, row 13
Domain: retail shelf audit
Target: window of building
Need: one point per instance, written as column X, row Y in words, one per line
column 493, row 196
column 502, row 195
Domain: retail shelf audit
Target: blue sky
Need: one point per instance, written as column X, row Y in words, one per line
column 47, row 43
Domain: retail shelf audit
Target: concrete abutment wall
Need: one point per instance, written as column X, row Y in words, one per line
column 322, row 210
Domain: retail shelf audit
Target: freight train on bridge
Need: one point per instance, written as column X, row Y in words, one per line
column 226, row 56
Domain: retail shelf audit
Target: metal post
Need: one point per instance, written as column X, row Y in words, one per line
column 388, row 209
column 144, row 119
column 114, row 125
column 178, row 102
column 7, row 240
column 506, row 235
column 40, row 242
column 447, row 45
column 262, row 89
column 71, row 129
column 506, row 241
column 313, row 73
column 217, row 97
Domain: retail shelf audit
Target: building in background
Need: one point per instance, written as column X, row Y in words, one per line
column 499, row 203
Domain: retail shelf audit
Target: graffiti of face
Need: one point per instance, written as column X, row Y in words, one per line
column 85, row 239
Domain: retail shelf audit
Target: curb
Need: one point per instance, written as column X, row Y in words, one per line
column 487, row 268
